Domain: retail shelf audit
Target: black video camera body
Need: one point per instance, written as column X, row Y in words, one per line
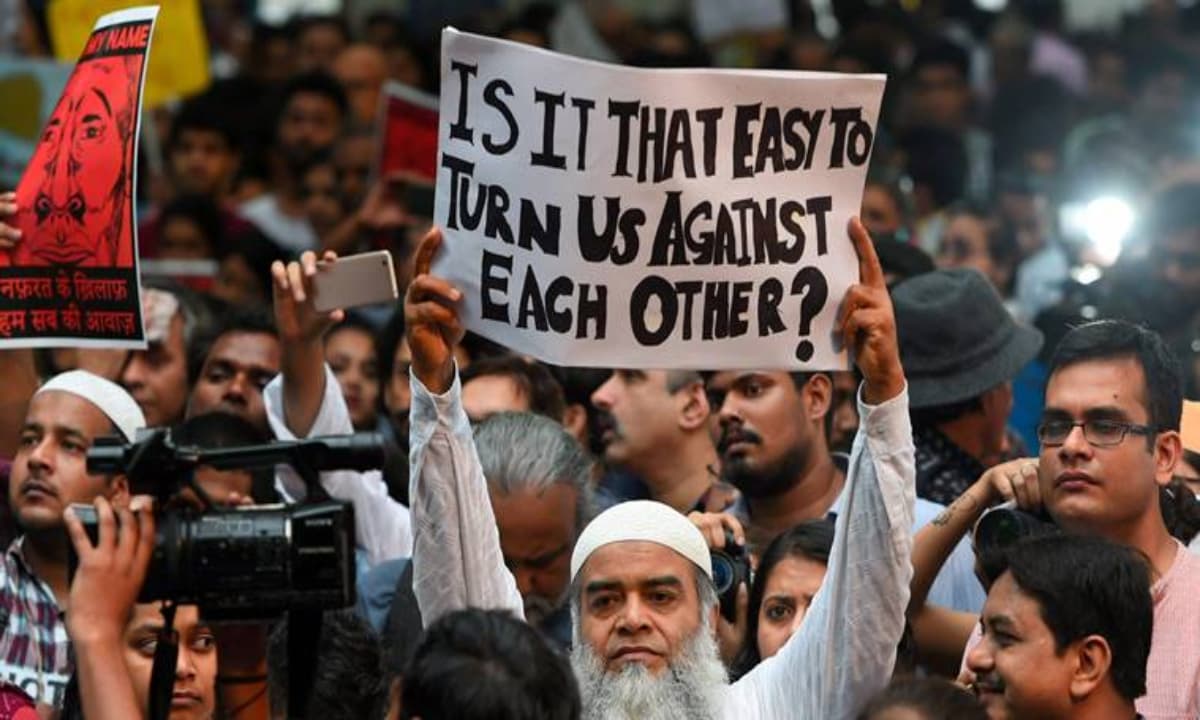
column 249, row 564
column 731, row 568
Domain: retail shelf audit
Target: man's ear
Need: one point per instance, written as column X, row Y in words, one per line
column 694, row 411
column 818, row 396
column 117, row 491
column 1093, row 661
column 575, row 420
column 1168, row 451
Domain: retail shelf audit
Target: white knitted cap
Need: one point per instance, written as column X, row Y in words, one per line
column 110, row 397
column 643, row 520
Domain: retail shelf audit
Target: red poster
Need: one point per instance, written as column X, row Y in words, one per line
column 410, row 133
column 72, row 279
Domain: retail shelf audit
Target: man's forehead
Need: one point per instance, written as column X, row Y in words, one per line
column 253, row 349
column 67, row 412
column 1108, row 382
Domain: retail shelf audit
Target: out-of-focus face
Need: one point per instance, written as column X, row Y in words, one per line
column 845, row 411
column 194, row 696
column 639, row 604
column 202, row 163
column 1018, row 671
column 49, row 471
column 537, row 534
column 1088, row 488
column 767, row 428
column 1177, row 260
column 404, row 66
column 942, row 96
column 318, row 47
column 237, row 284
column 322, row 198
column 880, row 214
column 238, row 367
column 964, row 244
column 486, row 395
column 362, row 70
column 350, row 353
column 639, row 415
column 397, row 391
column 789, row 592
column 157, row 377
column 310, row 123
column 182, row 239
column 353, row 157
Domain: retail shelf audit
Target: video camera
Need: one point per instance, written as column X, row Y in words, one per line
column 242, row 563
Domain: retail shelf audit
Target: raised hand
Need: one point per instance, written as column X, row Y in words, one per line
column 431, row 320
column 868, row 323
column 295, row 317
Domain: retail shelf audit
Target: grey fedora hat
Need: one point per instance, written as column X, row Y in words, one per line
column 957, row 340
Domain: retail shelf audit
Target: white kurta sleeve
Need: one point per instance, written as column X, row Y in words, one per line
column 845, row 649
column 383, row 527
column 457, row 561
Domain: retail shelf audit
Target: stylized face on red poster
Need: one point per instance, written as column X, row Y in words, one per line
column 76, row 196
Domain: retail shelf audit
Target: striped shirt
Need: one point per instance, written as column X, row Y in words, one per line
column 35, row 653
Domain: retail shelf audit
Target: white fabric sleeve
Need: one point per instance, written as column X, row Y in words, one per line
column 457, row 562
column 845, row 650
column 383, row 527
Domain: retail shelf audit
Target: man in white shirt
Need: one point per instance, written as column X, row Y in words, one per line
column 642, row 595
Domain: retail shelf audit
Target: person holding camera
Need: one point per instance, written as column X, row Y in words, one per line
column 49, row 473
column 642, row 587
column 1110, row 442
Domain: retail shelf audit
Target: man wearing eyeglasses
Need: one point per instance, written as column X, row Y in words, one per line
column 1110, row 439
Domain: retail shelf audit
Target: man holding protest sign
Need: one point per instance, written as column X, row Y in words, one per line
column 643, row 603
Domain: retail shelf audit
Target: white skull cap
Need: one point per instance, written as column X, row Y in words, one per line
column 111, row 398
column 647, row 521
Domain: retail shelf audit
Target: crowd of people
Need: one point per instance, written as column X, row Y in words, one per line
column 994, row 514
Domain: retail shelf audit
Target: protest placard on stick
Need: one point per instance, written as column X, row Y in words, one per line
column 72, row 279
column 607, row 216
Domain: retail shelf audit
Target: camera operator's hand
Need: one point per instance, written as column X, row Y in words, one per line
column 868, row 324
column 9, row 235
column 111, row 572
column 1014, row 480
column 731, row 636
column 431, row 320
column 103, row 593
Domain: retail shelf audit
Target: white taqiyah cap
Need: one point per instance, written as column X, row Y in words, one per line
column 642, row 520
column 110, row 397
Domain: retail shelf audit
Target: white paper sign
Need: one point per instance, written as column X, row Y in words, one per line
column 605, row 216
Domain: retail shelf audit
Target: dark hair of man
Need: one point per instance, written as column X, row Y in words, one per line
column 1180, row 510
column 259, row 252
column 811, row 540
column 315, row 83
column 1118, row 340
column 1002, row 244
column 252, row 321
column 532, row 379
column 1086, row 585
column 217, row 430
column 348, row 682
column 942, row 53
column 303, row 23
column 485, row 664
column 930, row 698
column 937, row 159
column 201, row 211
column 203, row 113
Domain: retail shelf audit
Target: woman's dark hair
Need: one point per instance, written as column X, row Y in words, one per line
column 201, row 211
column 812, row 540
column 931, row 698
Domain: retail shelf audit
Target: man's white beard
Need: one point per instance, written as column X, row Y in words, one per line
column 691, row 688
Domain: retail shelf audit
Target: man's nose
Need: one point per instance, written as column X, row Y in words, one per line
column 633, row 617
column 602, row 397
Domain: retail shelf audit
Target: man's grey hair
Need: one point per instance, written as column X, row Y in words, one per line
column 679, row 379
column 526, row 452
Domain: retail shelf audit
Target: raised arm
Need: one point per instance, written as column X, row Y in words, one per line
column 457, row 561
column 941, row 634
column 845, row 650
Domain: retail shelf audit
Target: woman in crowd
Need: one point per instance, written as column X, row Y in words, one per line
column 350, row 352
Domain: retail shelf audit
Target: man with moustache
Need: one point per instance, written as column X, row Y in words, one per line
column 1066, row 631
column 642, row 597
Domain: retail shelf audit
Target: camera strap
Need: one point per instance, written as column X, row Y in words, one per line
column 166, row 656
column 303, row 636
